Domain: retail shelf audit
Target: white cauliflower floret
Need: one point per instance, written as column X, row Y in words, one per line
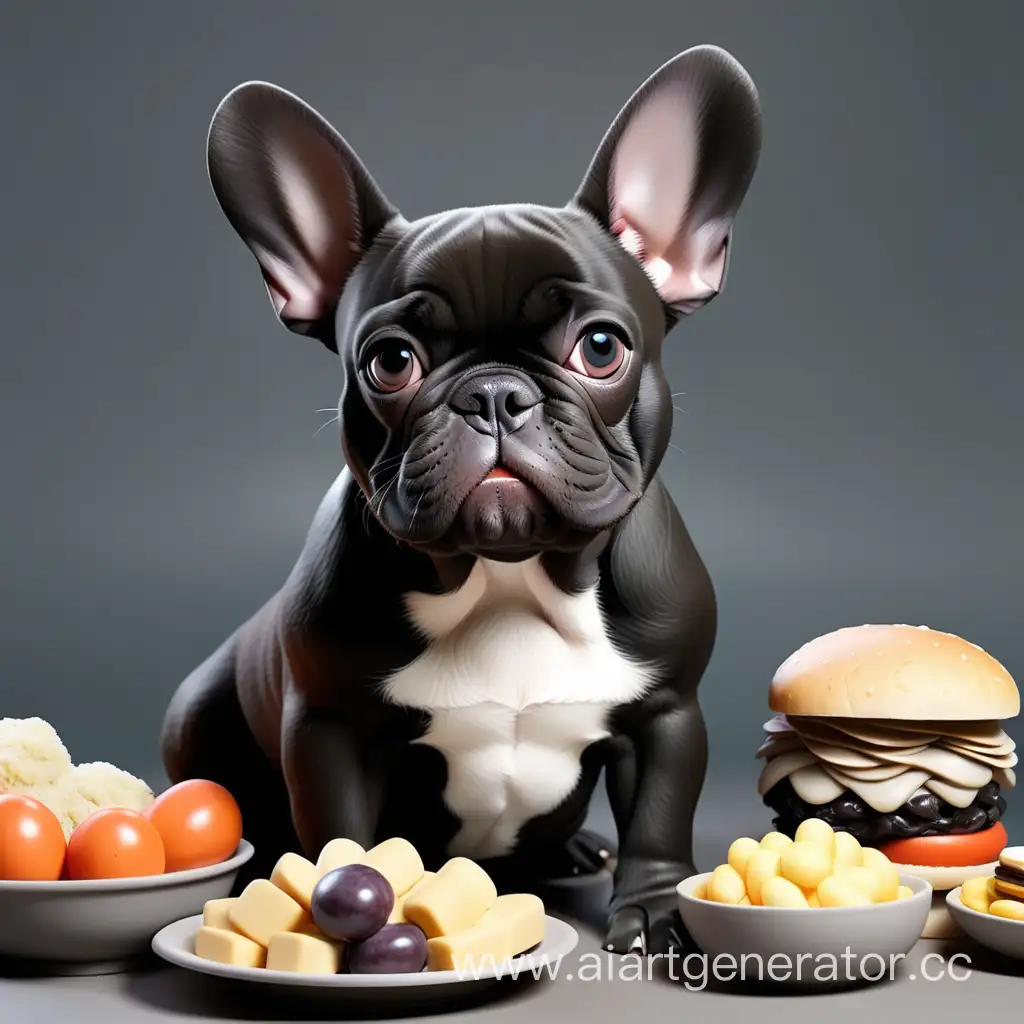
column 103, row 785
column 70, row 807
column 34, row 762
column 31, row 754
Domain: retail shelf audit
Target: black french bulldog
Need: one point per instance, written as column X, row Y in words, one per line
column 497, row 597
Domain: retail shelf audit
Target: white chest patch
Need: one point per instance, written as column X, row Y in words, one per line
column 518, row 678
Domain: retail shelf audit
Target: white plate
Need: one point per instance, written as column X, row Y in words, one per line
column 998, row 933
column 175, row 944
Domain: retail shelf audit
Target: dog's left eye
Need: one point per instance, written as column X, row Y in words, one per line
column 598, row 353
column 393, row 366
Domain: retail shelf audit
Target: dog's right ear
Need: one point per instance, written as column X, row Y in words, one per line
column 673, row 169
column 299, row 198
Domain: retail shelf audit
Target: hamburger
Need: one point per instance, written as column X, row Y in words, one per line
column 892, row 733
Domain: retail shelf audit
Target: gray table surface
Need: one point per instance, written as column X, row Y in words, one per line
column 163, row 994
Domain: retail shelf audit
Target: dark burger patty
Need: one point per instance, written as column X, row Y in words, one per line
column 924, row 814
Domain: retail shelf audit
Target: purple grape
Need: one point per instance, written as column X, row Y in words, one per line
column 395, row 949
column 352, row 902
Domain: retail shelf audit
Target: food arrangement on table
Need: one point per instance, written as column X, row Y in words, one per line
column 60, row 821
column 817, row 897
column 885, row 764
column 893, row 734
column 374, row 911
column 990, row 908
column 1001, row 893
column 816, row 868
column 887, row 769
column 816, row 894
column 92, row 864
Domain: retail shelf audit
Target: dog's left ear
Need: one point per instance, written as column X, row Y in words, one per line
column 298, row 196
column 673, row 169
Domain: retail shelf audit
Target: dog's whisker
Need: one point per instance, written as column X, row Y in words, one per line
column 378, row 498
column 679, row 409
column 416, row 511
column 366, row 514
column 382, row 494
column 677, row 448
column 386, row 464
column 383, row 469
column 334, row 419
column 333, row 408
column 383, row 497
column 675, row 394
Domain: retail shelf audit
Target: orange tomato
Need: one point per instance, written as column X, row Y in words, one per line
column 32, row 847
column 955, row 851
column 115, row 843
column 199, row 822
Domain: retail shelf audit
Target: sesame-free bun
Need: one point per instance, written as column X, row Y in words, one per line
column 894, row 672
column 943, row 879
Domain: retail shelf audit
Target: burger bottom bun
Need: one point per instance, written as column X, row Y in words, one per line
column 942, row 880
column 940, row 923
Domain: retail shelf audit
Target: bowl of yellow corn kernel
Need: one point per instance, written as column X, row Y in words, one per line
column 818, row 907
column 990, row 909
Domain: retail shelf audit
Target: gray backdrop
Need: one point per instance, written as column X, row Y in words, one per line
column 849, row 445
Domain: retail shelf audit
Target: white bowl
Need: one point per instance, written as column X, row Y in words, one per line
column 101, row 926
column 997, row 933
column 820, row 945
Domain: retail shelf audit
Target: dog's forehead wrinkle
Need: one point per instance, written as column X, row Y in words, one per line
column 486, row 261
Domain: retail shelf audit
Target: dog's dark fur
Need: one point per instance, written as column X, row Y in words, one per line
column 492, row 312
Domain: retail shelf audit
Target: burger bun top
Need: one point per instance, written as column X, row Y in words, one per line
column 909, row 673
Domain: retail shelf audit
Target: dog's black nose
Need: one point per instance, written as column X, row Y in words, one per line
column 495, row 403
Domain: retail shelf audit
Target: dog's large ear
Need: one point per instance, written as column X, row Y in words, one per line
column 672, row 171
column 299, row 197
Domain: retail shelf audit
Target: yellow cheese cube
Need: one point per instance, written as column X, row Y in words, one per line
column 302, row 954
column 307, row 926
column 224, row 947
column 295, row 876
column 453, row 900
column 338, row 853
column 263, row 910
column 215, row 914
column 397, row 860
column 513, row 924
column 398, row 913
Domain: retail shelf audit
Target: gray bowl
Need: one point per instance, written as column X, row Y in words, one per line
column 103, row 926
column 997, row 933
column 861, row 943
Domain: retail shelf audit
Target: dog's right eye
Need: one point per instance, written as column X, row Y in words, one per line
column 393, row 366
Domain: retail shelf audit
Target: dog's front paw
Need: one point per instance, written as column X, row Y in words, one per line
column 648, row 925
